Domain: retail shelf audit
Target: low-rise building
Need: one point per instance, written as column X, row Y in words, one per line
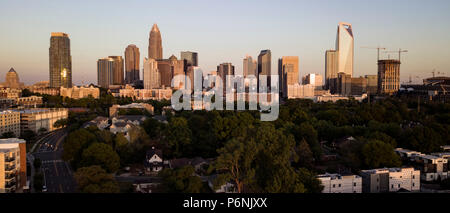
column 114, row 110
column 336, row 183
column 10, row 122
column 41, row 118
column 433, row 167
column 154, row 162
column 10, row 93
column 390, row 180
column 100, row 122
column 45, row 91
column 80, row 92
column 13, row 165
column 29, row 102
column 300, row 91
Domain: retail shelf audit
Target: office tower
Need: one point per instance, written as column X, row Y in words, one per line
column 287, row 73
column 264, row 67
column 344, row 47
column 372, row 84
column 105, row 72
column 388, row 76
column 359, row 86
column 12, row 80
column 166, row 72
column 250, row 67
column 331, row 66
column 314, row 79
column 132, row 56
column 60, row 61
column 344, row 84
column 224, row 70
column 152, row 78
column 178, row 66
column 190, row 58
column 118, row 70
column 13, row 165
column 155, row 44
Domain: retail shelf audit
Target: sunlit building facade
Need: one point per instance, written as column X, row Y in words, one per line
column 345, row 48
column 132, row 57
column 60, row 61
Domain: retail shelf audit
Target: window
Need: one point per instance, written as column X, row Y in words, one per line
column 392, row 186
column 339, row 185
column 334, row 185
column 354, row 184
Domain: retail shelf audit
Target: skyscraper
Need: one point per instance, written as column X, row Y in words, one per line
column 118, row 70
column 190, row 58
column 331, row 66
column 152, row 78
column 388, row 76
column 105, row 72
column 224, row 70
column 155, row 44
column 288, row 75
column 132, row 56
column 250, row 67
column 60, row 61
column 264, row 67
column 344, row 47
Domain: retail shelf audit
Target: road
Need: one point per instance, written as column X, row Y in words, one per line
column 58, row 176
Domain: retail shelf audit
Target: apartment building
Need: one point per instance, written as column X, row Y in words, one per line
column 390, row 180
column 35, row 119
column 13, row 165
column 336, row 183
column 433, row 167
column 29, row 102
column 10, row 122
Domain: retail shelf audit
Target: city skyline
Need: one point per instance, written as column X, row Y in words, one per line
column 26, row 48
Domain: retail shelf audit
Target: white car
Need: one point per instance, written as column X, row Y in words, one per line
column 44, row 188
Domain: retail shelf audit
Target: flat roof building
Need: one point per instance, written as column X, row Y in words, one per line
column 13, row 165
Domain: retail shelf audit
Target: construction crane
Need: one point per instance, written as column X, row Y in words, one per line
column 378, row 50
column 400, row 51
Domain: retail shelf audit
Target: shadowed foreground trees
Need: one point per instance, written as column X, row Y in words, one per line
column 94, row 179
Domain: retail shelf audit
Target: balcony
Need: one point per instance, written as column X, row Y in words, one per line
column 11, row 159
column 9, row 168
column 9, row 176
column 10, row 184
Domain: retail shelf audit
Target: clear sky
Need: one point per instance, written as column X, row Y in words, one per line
column 224, row 31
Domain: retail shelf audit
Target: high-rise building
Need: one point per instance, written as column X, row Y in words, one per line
column 224, row 70
column 132, row 56
column 344, row 84
column 344, row 47
column 331, row 66
column 155, row 44
column 108, row 71
column 13, row 165
column 288, row 72
column 264, row 67
column 60, row 61
column 388, row 76
column 166, row 72
column 372, row 84
column 118, row 70
column 250, row 67
column 190, row 58
column 152, row 78
column 314, row 79
column 12, row 80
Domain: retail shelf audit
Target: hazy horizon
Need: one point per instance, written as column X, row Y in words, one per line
column 224, row 31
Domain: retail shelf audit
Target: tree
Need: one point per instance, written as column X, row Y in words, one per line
column 61, row 123
column 28, row 135
column 178, row 136
column 235, row 160
column 42, row 131
column 102, row 155
column 38, row 181
column 8, row 135
column 305, row 155
column 379, row 154
column 182, row 180
column 94, row 179
column 75, row 143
